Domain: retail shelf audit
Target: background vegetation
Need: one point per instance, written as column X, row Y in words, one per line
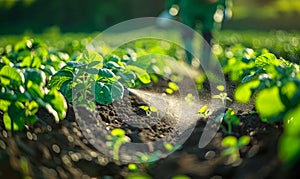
column 93, row 15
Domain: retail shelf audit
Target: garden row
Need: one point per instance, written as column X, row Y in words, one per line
column 34, row 76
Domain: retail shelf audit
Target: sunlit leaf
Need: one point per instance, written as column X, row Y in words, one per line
column 268, row 102
column 243, row 93
column 229, row 141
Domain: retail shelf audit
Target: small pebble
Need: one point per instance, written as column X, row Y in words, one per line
column 210, row 155
column 85, row 141
column 93, row 154
column 4, row 134
column 34, row 136
column 102, row 161
column 70, row 139
column 88, row 157
column 2, row 144
column 75, row 157
column 29, row 135
column 56, row 148
column 66, row 160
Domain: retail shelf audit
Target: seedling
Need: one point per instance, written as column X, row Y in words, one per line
column 230, row 119
column 204, row 111
column 233, row 145
column 147, row 160
column 189, row 98
column 223, row 95
column 93, row 75
column 117, row 138
column 172, row 87
column 148, row 109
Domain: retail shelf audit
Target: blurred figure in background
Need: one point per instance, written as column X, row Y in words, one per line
column 207, row 12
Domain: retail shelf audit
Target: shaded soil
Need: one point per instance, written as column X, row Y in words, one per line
column 50, row 150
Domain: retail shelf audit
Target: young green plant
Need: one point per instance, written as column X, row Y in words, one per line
column 204, row 112
column 233, row 145
column 117, row 138
column 230, row 118
column 223, row 96
column 148, row 109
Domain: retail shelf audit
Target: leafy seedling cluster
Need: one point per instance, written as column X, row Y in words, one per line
column 148, row 109
column 223, row 96
column 117, row 138
column 204, row 111
column 24, row 73
column 230, row 118
column 233, row 145
column 172, row 87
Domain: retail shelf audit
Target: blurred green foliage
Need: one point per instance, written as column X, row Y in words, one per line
column 17, row 16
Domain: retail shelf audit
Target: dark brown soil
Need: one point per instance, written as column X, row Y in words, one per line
column 50, row 150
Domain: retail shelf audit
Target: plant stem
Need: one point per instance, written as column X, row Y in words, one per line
column 229, row 128
column 117, row 146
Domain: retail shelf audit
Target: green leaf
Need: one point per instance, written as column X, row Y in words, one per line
column 58, row 103
column 243, row 93
column 145, row 108
column 35, row 90
column 113, row 65
column 32, row 107
column 32, row 62
column 173, row 86
column 243, row 141
column 229, row 141
column 266, row 59
column 169, row 91
column 132, row 167
column 7, row 122
column 221, row 88
column 153, row 109
column 15, row 113
column 90, row 56
column 292, row 122
column 74, row 64
column 66, row 90
column 289, row 89
column 127, row 78
column 289, row 148
column 142, row 61
column 203, row 109
column 4, row 105
column 142, row 74
column 118, row 132
column 60, row 78
column 92, row 71
column 268, row 102
column 107, row 73
column 10, row 76
column 117, row 91
column 94, row 63
column 230, row 151
column 102, row 93
column 36, row 76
